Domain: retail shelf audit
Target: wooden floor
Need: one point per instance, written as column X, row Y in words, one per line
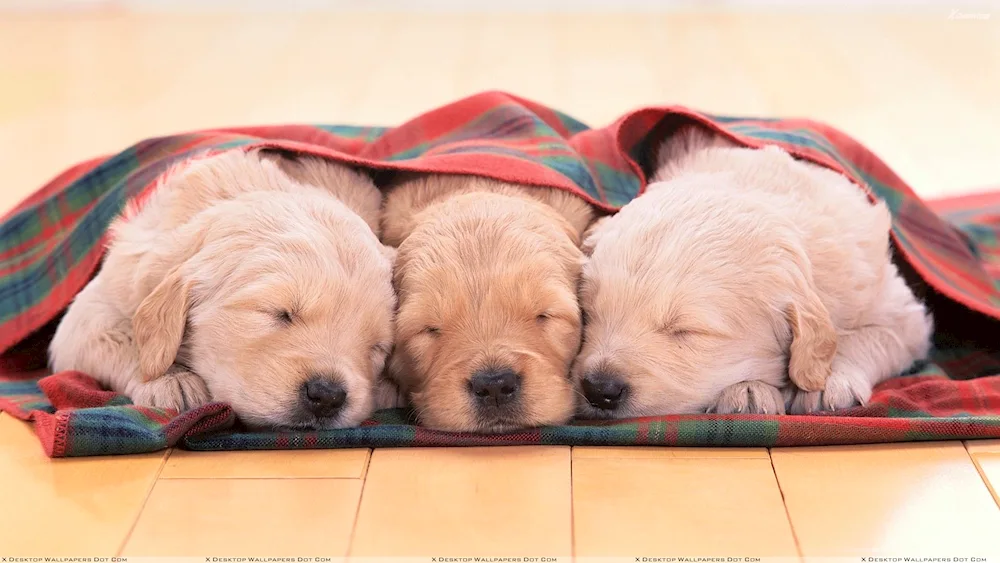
column 923, row 91
column 919, row 500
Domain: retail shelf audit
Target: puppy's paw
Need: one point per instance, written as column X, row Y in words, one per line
column 749, row 397
column 177, row 389
column 388, row 395
column 846, row 388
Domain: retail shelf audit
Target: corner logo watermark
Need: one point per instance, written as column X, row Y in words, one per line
column 960, row 15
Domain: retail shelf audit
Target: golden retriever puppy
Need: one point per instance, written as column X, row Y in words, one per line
column 236, row 283
column 743, row 280
column 488, row 321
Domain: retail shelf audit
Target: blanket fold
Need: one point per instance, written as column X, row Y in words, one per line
column 52, row 243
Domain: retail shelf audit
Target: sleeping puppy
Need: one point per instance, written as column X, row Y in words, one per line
column 236, row 283
column 743, row 280
column 488, row 321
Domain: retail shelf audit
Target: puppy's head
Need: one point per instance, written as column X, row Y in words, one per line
column 282, row 302
column 689, row 289
column 488, row 320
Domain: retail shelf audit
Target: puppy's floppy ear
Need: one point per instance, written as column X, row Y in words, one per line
column 388, row 394
column 814, row 341
column 592, row 235
column 159, row 322
column 397, row 370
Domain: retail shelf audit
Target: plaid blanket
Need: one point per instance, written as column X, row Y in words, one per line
column 52, row 243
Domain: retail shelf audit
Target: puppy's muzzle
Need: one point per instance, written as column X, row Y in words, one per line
column 604, row 390
column 322, row 396
column 495, row 387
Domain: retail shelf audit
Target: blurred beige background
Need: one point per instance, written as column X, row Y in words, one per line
column 918, row 82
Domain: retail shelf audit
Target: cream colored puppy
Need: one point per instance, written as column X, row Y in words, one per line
column 236, row 283
column 738, row 276
column 488, row 321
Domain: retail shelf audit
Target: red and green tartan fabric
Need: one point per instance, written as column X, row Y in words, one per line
column 52, row 243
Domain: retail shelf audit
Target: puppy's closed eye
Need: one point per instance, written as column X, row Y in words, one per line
column 431, row 331
column 279, row 316
column 563, row 315
column 677, row 331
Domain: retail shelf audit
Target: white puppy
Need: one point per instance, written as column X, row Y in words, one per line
column 236, row 283
column 742, row 281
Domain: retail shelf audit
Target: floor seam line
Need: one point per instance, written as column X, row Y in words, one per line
column 572, row 510
column 361, row 499
column 982, row 475
column 145, row 501
column 784, row 504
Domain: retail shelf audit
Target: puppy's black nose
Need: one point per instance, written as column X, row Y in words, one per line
column 495, row 386
column 604, row 390
column 323, row 396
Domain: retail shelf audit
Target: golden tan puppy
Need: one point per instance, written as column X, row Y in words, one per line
column 236, row 283
column 488, row 319
column 739, row 274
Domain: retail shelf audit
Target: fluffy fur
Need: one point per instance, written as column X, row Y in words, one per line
column 236, row 283
column 742, row 281
column 487, row 276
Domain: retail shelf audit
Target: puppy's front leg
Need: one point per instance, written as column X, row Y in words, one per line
column 898, row 335
column 96, row 339
column 865, row 357
column 388, row 394
column 749, row 397
column 179, row 389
